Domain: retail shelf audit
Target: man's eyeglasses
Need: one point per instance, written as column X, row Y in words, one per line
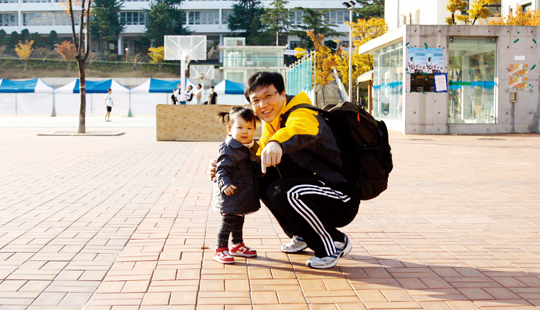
column 266, row 98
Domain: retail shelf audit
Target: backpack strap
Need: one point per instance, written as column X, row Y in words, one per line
column 286, row 115
column 284, row 118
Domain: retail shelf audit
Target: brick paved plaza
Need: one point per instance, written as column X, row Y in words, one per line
column 124, row 222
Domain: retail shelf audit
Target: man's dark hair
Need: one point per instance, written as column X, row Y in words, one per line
column 199, row 85
column 264, row 79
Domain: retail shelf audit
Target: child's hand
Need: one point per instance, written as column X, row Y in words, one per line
column 212, row 169
column 229, row 190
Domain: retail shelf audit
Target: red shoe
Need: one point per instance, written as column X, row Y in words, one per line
column 221, row 255
column 242, row 250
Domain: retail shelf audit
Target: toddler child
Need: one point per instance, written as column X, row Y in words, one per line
column 236, row 185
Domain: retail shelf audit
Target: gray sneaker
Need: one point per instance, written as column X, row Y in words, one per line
column 342, row 249
column 297, row 244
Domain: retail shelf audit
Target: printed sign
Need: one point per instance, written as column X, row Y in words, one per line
column 518, row 76
column 435, row 60
column 518, row 83
column 519, row 70
column 422, row 60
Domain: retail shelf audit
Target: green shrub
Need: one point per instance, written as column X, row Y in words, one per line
column 104, row 66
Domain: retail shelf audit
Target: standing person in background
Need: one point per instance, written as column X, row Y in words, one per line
column 189, row 94
column 174, row 100
column 109, row 105
column 198, row 94
column 180, row 98
column 212, row 97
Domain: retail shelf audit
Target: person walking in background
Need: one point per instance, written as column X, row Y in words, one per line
column 109, row 105
column 198, row 94
column 189, row 94
column 236, row 184
column 212, row 97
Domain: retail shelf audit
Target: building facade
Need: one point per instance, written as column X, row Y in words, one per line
column 203, row 17
column 433, row 12
column 489, row 81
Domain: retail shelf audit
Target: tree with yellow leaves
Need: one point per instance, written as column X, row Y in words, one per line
column 530, row 18
column 24, row 50
column 157, row 56
column 363, row 31
column 324, row 61
column 454, row 6
column 478, row 10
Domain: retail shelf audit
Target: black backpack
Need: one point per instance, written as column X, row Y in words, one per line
column 363, row 141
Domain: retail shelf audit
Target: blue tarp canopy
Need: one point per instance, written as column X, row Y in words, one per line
column 28, row 86
column 230, row 88
column 159, row 86
column 93, row 87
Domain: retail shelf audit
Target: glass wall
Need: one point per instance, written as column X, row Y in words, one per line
column 268, row 57
column 388, row 82
column 471, row 76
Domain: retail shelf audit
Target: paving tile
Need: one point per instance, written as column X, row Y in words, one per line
column 125, row 233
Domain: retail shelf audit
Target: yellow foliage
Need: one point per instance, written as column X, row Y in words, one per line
column 363, row 31
column 520, row 18
column 325, row 60
column 67, row 50
column 479, row 10
column 454, row 6
column 24, row 50
column 157, row 54
column 300, row 52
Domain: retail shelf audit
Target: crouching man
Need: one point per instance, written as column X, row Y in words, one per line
column 308, row 198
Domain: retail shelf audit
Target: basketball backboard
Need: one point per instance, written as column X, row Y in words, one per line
column 201, row 72
column 185, row 47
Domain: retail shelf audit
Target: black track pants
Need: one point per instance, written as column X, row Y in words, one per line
column 311, row 209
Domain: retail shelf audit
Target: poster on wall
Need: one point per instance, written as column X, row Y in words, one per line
column 423, row 64
column 441, row 82
column 518, row 76
column 435, row 60
column 416, row 59
column 425, row 60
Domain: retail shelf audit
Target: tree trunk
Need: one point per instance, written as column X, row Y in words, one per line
column 82, row 87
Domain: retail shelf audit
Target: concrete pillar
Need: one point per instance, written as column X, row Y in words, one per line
column 120, row 45
column 220, row 44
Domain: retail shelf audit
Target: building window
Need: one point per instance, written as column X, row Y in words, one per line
column 337, row 17
column 204, row 18
column 8, row 19
column 294, row 44
column 49, row 19
column 388, row 82
column 194, row 18
column 526, row 7
column 36, row 1
column 296, row 17
column 133, row 18
column 9, row 1
column 63, row 19
column 471, row 75
column 225, row 16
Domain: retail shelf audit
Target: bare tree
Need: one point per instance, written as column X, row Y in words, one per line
column 82, row 46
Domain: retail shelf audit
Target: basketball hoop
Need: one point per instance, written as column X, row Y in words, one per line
column 185, row 48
